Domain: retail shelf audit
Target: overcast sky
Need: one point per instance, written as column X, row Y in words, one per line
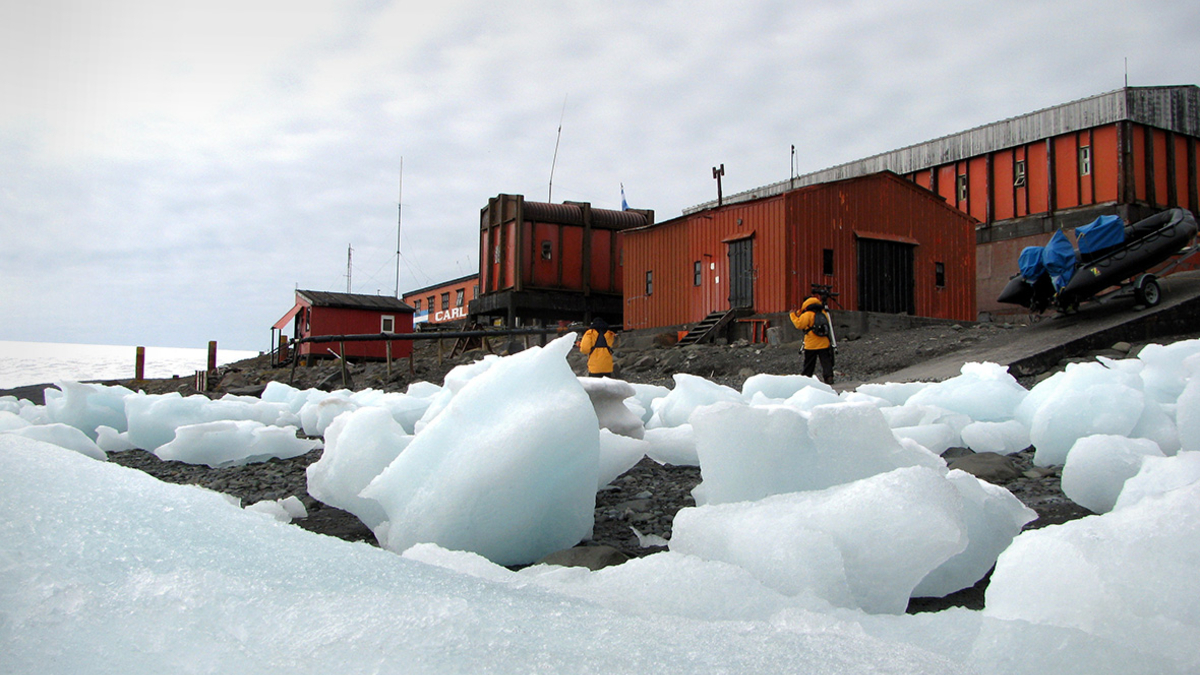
column 171, row 171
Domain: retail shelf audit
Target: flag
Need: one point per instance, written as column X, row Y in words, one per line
column 624, row 204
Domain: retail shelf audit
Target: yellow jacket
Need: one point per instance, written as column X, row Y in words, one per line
column 804, row 321
column 600, row 361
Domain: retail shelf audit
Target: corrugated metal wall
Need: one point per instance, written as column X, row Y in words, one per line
column 688, row 257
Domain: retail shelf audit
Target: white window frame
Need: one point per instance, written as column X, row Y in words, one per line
column 962, row 187
column 1019, row 173
column 1085, row 160
column 387, row 323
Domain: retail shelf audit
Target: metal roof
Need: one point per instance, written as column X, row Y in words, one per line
column 440, row 284
column 1173, row 108
column 354, row 301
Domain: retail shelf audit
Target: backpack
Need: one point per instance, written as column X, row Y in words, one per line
column 820, row 326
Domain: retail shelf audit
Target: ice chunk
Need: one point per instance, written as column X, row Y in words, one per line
column 507, row 470
column 1073, row 413
column 455, row 380
column 11, row 420
column 993, row 516
column 618, row 454
column 1165, row 375
column 608, row 396
column 1098, row 466
column 318, row 413
column 827, row 542
column 1158, row 475
column 985, row 392
column 1002, row 438
column 1127, row 576
column 896, row 393
column 672, row 445
column 87, row 406
column 747, row 453
column 644, row 395
column 1187, row 416
column 690, row 392
column 780, row 387
column 109, row 440
column 62, row 435
column 153, row 419
column 936, row 438
column 233, row 443
column 358, row 447
column 811, row 397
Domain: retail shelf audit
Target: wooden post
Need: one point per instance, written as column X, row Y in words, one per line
column 283, row 355
column 139, row 364
column 345, row 373
column 388, row 345
column 212, row 355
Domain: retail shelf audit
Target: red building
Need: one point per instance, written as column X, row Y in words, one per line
column 550, row 262
column 1130, row 152
column 319, row 313
column 445, row 302
column 885, row 244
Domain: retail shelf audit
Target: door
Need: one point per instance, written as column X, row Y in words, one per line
column 885, row 277
column 741, row 273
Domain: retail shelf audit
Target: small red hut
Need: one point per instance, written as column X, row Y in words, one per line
column 319, row 313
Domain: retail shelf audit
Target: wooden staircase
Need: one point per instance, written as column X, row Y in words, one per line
column 711, row 326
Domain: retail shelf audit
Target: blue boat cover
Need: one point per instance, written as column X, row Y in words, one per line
column 1059, row 259
column 1101, row 233
column 1030, row 263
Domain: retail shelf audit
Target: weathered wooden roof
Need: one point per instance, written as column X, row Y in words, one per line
column 1172, row 108
column 354, row 301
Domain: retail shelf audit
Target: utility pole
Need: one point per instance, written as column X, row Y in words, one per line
column 399, row 221
column 717, row 173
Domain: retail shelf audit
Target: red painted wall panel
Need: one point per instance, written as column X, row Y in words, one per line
column 1139, row 155
column 1161, row 177
column 1104, row 164
column 1038, row 170
column 977, row 201
column 1004, row 204
column 1181, row 170
column 1066, row 172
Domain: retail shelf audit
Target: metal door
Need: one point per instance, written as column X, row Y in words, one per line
column 885, row 277
column 741, row 273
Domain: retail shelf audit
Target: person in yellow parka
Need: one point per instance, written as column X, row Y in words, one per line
column 598, row 343
column 819, row 341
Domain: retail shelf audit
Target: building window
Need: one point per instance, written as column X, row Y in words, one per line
column 430, row 304
column 387, row 324
column 475, row 292
column 417, row 304
column 939, row 272
column 1019, row 173
column 1085, row 160
column 546, row 251
column 961, row 184
column 650, row 282
column 696, row 273
column 458, row 297
column 827, row 262
column 446, row 300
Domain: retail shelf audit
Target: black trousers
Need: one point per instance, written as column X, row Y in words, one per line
column 811, row 356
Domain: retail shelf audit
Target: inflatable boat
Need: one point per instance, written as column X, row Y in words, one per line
column 1110, row 255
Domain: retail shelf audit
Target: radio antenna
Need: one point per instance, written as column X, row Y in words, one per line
column 550, row 189
column 399, row 222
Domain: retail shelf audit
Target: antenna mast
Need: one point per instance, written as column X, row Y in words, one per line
column 550, row 189
column 399, row 221
column 349, row 254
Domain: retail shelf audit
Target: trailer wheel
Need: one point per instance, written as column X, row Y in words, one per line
column 1146, row 290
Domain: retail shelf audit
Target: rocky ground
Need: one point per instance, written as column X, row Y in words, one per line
column 645, row 499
